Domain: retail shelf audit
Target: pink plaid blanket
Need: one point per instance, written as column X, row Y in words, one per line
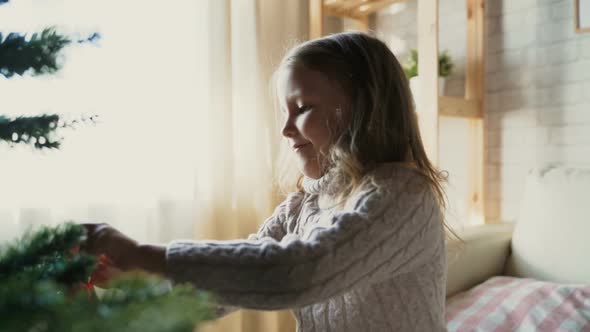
column 518, row 304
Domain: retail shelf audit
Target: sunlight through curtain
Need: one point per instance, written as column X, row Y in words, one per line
column 245, row 40
column 135, row 167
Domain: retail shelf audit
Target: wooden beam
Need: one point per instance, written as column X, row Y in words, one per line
column 475, row 90
column 459, row 107
column 350, row 4
column 355, row 9
column 316, row 18
column 362, row 24
column 344, row 9
column 427, row 106
column 474, row 71
column 371, row 7
column 341, row 13
column 476, row 171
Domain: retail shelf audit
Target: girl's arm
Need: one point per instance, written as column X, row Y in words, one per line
column 388, row 232
column 152, row 257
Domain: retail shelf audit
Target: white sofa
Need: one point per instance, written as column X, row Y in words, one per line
column 550, row 240
column 533, row 275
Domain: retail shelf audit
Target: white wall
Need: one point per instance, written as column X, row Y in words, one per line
column 537, row 88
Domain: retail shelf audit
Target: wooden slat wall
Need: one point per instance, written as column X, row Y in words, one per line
column 431, row 106
column 316, row 18
column 428, row 72
column 459, row 107
column 355, row 8
column 362, row 23
column 475, row 92
column 376, row 5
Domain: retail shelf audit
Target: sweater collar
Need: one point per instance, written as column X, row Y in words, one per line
column 328, row 183
column 315, row 186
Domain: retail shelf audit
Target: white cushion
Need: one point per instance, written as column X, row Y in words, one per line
column 481, row 254
column 551, row 239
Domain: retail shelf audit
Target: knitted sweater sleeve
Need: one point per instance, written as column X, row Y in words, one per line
column 386, row 232
column 273, row 228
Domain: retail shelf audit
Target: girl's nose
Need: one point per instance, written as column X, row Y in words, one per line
column 289, row 129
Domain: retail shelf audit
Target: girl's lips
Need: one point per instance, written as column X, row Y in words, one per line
column 300, row 146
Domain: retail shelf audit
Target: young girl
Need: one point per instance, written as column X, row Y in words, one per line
column 360, row 245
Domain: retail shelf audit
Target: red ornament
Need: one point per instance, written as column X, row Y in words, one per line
column 100, row 274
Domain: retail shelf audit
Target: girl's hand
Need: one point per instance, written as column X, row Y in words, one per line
column 121, row 253
column 104, row 273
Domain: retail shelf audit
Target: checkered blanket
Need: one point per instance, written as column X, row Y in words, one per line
column 519, row 304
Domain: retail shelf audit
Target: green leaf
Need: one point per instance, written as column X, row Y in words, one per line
column 445, row 64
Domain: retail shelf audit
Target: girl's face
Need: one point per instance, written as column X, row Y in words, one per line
column 313, row 108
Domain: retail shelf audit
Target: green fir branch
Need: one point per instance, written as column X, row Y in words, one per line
column 38, row 53
column 36, row 130
column 33, row 299
column 37, row 246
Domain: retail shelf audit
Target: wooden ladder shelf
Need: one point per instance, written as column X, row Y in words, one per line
column 432, row 106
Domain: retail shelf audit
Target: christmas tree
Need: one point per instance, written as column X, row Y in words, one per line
column 46, row 283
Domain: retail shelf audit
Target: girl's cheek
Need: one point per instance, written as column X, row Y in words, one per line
column 302, row 123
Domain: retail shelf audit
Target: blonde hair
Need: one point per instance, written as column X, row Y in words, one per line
column 383, row 126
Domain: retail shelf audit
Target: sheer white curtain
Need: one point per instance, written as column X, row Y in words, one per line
column 135, row 168
column 244, row 42
column 186, row 138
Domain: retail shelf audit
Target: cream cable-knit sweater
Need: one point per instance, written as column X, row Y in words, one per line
column 376, row 265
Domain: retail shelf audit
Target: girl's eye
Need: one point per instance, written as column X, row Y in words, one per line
column 303, row 109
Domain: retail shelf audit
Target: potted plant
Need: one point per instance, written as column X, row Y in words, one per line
column 445, row 68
